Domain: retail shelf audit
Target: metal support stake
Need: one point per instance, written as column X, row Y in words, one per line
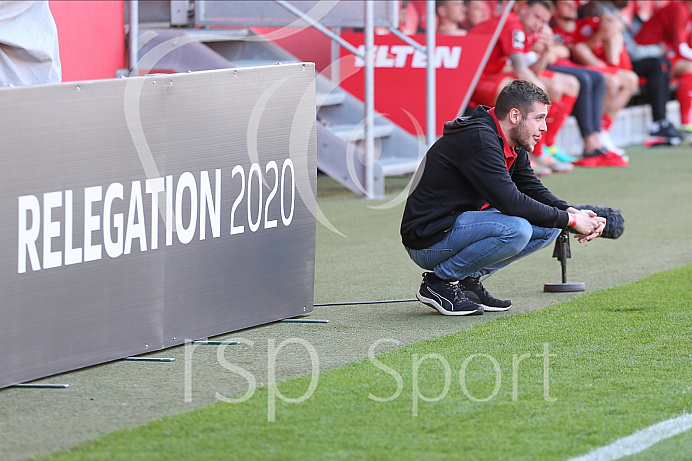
column 133, row 37
column 369, row 61
column 149, row 359
column 40, row 386
column 430, row 87
column 356, row 303
column 303, row 321
column 216, row 343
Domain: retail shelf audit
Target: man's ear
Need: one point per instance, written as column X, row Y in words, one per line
column 514, row 116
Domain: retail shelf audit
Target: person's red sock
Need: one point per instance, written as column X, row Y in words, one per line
column 557, row 115
column 684, row 95
column 606, row 122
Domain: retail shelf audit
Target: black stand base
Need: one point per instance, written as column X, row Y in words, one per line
column 564, row 287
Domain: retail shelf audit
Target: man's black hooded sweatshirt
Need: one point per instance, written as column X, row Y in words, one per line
column 464, row 170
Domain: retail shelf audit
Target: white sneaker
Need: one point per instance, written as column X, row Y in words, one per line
column 609, row 144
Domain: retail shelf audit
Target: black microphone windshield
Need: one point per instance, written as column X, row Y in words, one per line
column 615, row 221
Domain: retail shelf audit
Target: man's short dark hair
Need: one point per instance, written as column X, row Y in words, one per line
column 519, row 94
column 548, row 4
column 439, row 3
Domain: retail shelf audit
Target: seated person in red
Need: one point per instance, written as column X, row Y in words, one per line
column 450, row 15
column 588, row 110
column 671, row 26
column 477, row 11
column 597, row 42
column 649, row 62
column 512, row 45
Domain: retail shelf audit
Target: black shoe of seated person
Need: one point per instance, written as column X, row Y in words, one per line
column 447, row 298
column 667, row 131
column 474, row 290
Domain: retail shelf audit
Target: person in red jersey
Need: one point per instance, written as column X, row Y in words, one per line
column 588, row 109
column 649, row 62
column 512, row 58
column 450, row 15
column 672, row 26
column 597, row 42
column 477, row 11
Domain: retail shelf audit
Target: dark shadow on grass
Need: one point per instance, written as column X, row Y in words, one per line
column 628, row 309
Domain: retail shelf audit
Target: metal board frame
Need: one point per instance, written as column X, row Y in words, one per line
column 141, row 213
column 267, row 13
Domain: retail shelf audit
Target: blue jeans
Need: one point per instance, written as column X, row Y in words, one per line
column 482, row 242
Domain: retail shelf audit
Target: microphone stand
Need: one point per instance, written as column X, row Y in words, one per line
column 562, row 252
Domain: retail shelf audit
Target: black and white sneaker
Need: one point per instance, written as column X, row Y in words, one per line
column 474, row 291
column 663, row 133
column 446, row 298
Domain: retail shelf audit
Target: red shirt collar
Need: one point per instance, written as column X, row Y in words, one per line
column 510, row 155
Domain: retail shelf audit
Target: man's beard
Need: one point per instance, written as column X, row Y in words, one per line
column 521, row 136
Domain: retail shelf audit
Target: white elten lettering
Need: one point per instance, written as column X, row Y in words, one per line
column 400, row 52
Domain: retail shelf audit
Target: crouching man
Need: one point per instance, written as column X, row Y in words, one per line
column 478, row 206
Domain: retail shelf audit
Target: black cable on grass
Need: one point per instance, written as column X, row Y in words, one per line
column 386, row 301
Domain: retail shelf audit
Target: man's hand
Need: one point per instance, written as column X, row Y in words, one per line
column 584, row 211
column 588, row 225
column 547, row 35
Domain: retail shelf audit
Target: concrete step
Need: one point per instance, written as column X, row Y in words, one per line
column 397, row 166
column 356, row 133
column 216, row 35
column 329, row 99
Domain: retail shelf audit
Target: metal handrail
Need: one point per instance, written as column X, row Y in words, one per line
column 406, row 39
column 313, row 23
